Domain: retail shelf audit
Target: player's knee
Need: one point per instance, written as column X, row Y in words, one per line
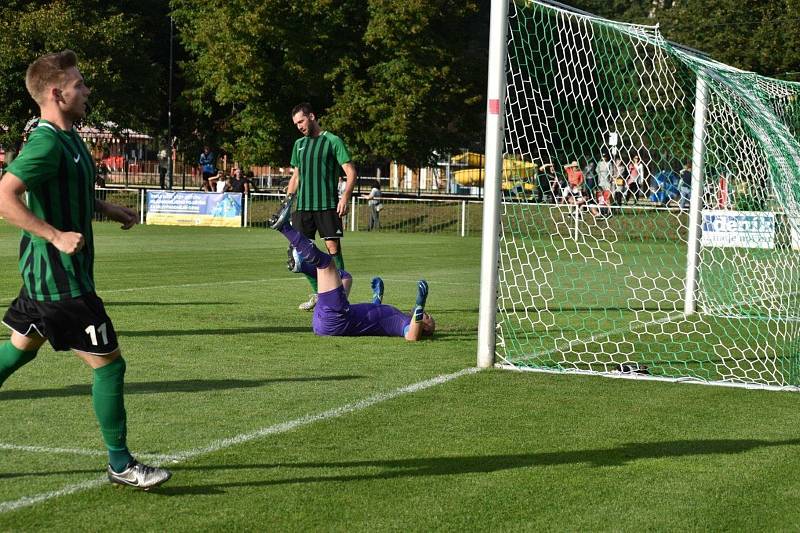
column 25, row 343
column 115, row 366
column 333, row 246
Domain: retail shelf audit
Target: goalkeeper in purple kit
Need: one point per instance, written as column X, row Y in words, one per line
column 334, row 315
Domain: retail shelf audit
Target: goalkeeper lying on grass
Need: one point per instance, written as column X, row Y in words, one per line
column 334, row 315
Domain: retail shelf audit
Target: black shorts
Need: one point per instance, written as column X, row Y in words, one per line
column 327, row 223
column 75, row 324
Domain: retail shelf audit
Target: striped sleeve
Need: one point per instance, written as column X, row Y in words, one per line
column 340, row 150
column 39, row 160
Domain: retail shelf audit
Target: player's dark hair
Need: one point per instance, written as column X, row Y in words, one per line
column 305, row 107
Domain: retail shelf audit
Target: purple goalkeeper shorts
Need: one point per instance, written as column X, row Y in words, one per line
column 334, row 316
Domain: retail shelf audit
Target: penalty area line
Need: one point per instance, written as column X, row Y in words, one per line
column 221, row 444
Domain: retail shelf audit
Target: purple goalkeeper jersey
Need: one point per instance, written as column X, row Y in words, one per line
column 334, row 316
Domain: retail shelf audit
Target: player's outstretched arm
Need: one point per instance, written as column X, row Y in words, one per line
column 124, row 215
column 17, row 213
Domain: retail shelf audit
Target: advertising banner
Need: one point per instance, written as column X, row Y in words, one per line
column 184, row 208
column 738, row 229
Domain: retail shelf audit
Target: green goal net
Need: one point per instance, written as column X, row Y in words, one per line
column 660, row 234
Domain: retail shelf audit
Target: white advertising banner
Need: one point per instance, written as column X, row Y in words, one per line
column 738, row 229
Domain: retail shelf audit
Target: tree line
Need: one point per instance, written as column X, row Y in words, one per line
column 397, row 79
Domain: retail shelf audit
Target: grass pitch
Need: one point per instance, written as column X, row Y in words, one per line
column 272, row 428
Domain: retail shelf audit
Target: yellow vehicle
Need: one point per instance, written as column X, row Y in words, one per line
column 515, row 172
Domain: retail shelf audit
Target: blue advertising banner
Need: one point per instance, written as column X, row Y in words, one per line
column 184, row 208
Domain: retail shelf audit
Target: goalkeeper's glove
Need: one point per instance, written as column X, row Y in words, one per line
column 422, row 295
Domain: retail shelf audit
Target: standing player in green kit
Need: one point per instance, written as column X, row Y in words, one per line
column 319, row 158
column 57, row 301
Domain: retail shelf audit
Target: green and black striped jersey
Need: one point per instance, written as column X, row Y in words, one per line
column 320, row 161
column 58, row 172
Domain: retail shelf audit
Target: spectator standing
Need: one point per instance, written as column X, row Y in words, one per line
column 239, row 183
column 101, row 175
column 618, row 179
column 208, row 167
column 604, row 173
column 219, row 183
column 590, row 175
column 163, row 165
column 544, row 192
column 685, row 185
column 574, row 175
column 318, row 159
column 375, row 206
column 634, row 181
column 58, row 301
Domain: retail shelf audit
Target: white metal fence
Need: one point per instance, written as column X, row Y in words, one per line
column 406, row 215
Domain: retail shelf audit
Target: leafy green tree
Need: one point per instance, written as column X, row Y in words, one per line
column 756, row 35
column 251, row 61
column 396, row 79
column 419, row 85
column 111, row 44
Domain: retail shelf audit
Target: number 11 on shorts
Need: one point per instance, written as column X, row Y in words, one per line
column 101, row 329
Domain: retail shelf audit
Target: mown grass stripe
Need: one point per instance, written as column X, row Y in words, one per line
column 283, row 427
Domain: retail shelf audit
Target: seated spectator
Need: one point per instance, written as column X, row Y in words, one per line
column 603, row 202
column 573, row 195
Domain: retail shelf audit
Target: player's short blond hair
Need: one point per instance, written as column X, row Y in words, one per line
column 47, row 71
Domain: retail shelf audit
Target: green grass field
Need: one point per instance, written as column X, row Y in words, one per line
column 274, row 429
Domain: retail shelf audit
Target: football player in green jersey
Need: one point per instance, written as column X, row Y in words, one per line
column 318, row 159
column 57, row 301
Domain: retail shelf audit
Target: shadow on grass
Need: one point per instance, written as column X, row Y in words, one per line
column 215, row 331
column 149, row 387
column 48, row 473
column 157, row 304
column 447, row 466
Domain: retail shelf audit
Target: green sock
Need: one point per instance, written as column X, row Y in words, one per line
column 12, row 359
column 339, row 260
column 313, row 282
column 109, row 408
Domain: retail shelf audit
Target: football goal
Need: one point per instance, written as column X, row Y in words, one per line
column 660, row 236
